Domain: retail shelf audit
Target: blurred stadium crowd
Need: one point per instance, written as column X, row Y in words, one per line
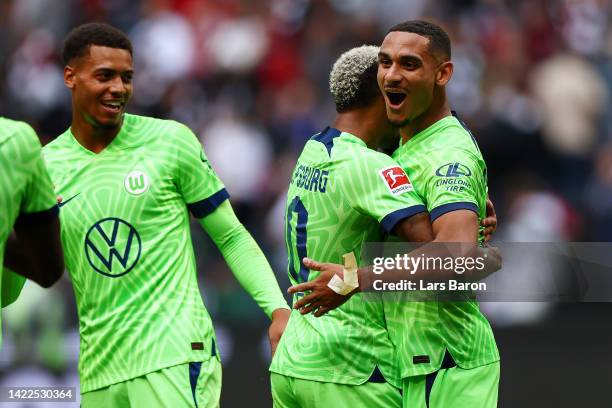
column 533, row 80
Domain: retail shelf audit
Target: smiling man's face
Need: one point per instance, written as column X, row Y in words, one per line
column 407, row 75
column 101, row 84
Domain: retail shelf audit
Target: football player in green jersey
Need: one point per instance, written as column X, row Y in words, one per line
column 453, row 360
column 341, row 193
column 29, row 225
column 128, row 185
column 461, row 367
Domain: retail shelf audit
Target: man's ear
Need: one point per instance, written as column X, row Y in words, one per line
column 444, row 74
column 69, row 76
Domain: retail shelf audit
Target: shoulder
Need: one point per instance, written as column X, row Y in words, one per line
column 455, row 137
column 452, row 145
column 365, row 158
column 161, row 134
column 362, row 167
column 173, row 134
column 57, row 146
column 20, row 140
column 157, row 125
column 19, row 132
column 145, row 128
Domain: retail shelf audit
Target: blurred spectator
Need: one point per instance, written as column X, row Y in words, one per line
column 572, row 96
column 240, row 154
column 164, row 51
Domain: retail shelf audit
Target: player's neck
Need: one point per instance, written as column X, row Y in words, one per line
column 437, row 111
column 360, row 123
column 91, row 137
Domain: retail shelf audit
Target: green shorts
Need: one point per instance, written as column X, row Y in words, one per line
column 185, row 385
column 290, row 392
column 454, row 387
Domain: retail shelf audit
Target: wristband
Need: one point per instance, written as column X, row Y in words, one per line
column 350, row 281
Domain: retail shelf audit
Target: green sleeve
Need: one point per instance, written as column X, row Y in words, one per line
column 12, row 284
column 244, row 257
column 379, row 187
column 455, row 180
column 38, row 194
column 197, row 182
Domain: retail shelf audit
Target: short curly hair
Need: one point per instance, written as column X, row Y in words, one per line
column 78, row 41
column 352, row 80
column 439, row 43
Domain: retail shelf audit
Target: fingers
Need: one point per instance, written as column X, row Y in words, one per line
column 488, row 234
column 305, row 300
column 302, row 287
column 490, row 208
column 308, row 309
column 321, row 311
column 312, row 265
column 489, row 222
column 489, row 231
column 490, row 226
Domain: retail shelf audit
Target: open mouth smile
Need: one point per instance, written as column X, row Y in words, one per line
column 395, row 98
column 113, row 106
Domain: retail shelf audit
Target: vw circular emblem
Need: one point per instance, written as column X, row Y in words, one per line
column 136, row 182
column 112, row 247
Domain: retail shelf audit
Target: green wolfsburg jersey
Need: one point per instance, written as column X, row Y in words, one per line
column 340, row 194
column 26, row 193
column 448, row 171
column 127, row 244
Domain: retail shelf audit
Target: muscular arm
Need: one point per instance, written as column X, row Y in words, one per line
column 456, row 226
column 415, row 229
column 460, row 226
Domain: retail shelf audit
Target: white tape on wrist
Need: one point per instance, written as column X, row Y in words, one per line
column 350, row 281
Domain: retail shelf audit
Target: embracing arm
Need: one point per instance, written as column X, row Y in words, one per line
column 460, row 226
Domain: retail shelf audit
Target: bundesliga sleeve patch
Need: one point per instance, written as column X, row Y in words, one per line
column 396, row 180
